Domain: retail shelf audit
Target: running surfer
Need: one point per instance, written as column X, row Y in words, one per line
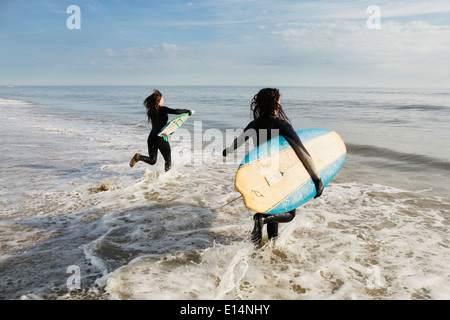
column 157, row 114
column 269, row 118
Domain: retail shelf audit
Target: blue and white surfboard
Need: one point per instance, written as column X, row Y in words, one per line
column 272, row 179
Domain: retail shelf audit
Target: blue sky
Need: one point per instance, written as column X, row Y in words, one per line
column 225, row 42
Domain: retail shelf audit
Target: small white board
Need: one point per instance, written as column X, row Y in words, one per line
column 173, row 125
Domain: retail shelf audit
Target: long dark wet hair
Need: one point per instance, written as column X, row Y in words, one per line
column 151, row 103
column 266, row 107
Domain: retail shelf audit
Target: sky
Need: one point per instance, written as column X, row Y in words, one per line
column 226, row 42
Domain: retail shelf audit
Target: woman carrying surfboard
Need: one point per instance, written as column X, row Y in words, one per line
column 270, row 119
column 158, row 115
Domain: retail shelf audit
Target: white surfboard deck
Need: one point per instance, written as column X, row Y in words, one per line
column 174, row 124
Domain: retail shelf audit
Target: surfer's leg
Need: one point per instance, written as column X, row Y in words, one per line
column 280, row 218
column 148, row 160
column 152, row 154
column 164, row 147
column 273, row 220
column 139, row 157
column 272, row 230
column 152, row 150
column 151, row 159
column 258, row 219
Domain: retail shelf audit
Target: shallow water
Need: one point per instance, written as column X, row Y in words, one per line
column 69, row 198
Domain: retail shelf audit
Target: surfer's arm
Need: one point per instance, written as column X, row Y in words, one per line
column 177, row 111
column 236, row 144
column 248, row 132
column 308, row 162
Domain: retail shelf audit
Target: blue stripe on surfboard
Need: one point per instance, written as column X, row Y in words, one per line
column 308, row 191
column 279, row 144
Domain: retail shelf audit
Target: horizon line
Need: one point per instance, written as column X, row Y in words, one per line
column 229, row 85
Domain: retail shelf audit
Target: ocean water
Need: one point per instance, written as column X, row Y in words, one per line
column 76, row 222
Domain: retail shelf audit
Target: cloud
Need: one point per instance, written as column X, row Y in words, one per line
column 352, row 42
column 349, row 53
column 411, row 8
column 171, row 47
column 141, row 57
column 350, row 10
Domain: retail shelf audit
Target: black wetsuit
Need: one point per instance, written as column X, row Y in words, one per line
column 265, row 132
column 284, row 129
column 156, row 143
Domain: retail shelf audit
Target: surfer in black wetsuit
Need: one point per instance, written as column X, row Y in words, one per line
column 158, row 115
column 270, row 119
